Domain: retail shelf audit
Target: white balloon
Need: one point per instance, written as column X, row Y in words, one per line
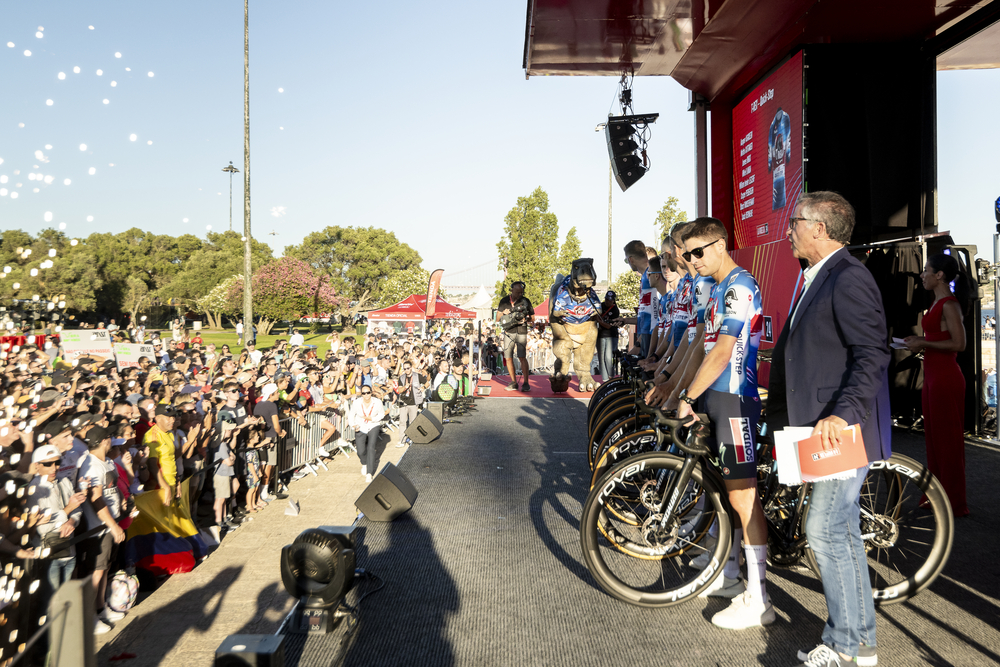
column 52, row 251
column 90, row 218
column 92, row 171
column 62, row 225
column 48, row 216
column 76, row 70
column 66, row 181
column 48, row 103
column 100, row 72
column 61, row 75
column 27, row 52
column 149, row 74
column 83, row 147
column 132, row 137
column 117, row 54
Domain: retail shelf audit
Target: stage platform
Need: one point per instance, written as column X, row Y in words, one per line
column 540, row 387
column 486, row 568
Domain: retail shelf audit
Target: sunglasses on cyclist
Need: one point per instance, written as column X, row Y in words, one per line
column 698, row 252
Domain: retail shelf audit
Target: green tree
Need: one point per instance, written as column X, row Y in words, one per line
column 626, row 288
column 569, row 251
column 404, row 283
column 216, row 303
column 667, row 216
column 215, row 261
column 64, row 270
column 285, row 289
column 155, row 258
column 136, row 296
column 528, row 249
column 357, row 260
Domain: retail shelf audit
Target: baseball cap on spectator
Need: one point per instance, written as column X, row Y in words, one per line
column 610, row 294
column 96, row 436
column 166, row 410
column 45, row 453
column 109, row 364
column 82, row 419
column 48, row 397
column 54, row 428
column 268, row 389
column 134, row 399
column 190, row 389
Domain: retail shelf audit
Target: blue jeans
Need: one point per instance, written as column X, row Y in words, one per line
column 605, row 359
column 835, row 511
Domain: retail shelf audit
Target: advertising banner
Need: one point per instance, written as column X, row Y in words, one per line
column 128, row 354
column 433, row 285
column 767, row 156
column 78, row 343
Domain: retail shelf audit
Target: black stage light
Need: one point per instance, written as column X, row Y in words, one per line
column 317, row 568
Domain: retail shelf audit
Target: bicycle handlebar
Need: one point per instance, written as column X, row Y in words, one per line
column 690, row 438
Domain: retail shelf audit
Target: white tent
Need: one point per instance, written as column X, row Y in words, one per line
column 482, row 303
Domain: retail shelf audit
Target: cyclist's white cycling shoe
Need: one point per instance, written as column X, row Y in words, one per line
column 724, row 587
column 745, row 611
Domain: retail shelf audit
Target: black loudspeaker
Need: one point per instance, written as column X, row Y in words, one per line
column 426, row 427
column 389, row 495
column 251, row 651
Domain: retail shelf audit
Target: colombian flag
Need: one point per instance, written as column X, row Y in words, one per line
column 164, row 540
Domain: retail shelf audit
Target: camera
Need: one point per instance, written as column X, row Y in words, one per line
column 513, row 318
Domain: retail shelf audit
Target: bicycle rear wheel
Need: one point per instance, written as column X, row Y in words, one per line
column 641, row 564
column 907, row 527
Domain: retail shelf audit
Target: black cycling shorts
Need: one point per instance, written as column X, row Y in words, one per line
column 734, row 432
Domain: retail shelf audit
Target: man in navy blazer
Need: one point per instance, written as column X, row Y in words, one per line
column 829, row 371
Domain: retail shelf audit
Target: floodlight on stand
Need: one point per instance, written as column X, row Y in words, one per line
column 317, row 568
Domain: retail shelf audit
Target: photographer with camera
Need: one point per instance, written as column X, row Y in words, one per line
column 515, row 315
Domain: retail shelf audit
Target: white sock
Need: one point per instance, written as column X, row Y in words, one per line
column 364, row 470
column 731, row 570
column 756, row 568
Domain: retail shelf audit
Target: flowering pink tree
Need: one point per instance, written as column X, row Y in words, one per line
column 286, row 289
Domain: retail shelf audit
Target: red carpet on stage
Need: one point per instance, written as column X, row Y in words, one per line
column 540, row 388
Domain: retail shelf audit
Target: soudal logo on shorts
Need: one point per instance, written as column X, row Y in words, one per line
column 743, row 439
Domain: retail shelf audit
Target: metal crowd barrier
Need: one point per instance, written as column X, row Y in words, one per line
column 300, row 448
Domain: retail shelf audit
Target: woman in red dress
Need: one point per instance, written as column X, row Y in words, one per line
column 943, row 393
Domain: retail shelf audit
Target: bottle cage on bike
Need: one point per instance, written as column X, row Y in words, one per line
column 692, row 440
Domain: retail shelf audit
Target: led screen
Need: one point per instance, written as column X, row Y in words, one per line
column 767, row 156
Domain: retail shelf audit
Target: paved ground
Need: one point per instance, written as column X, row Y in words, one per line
column 486, row 570
column 238, row 588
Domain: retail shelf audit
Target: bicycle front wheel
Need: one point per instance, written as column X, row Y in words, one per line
column 907, row 527
column 640, row 561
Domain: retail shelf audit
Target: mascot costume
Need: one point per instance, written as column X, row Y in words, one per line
column 573, row 312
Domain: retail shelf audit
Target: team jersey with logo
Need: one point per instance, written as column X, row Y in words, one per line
column 577, row 312
column 735, row 310
column 644, row 319
column 699, row 302
column 682, row 301
column 664, row 314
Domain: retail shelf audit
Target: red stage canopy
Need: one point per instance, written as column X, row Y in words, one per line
column 412, row 309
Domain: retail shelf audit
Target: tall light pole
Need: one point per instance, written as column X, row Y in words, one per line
column 611, row 180
column 232, row 170
column 247, row 295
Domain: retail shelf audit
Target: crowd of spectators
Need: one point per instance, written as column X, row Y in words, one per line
column 81, row 440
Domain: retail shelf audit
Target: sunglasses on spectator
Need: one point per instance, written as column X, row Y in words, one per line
column 698, row 252
column 48, row 464
column 366, row 393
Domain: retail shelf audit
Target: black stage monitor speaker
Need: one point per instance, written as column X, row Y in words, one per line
column 389, row 495
column 425, row 428
column 251, row 651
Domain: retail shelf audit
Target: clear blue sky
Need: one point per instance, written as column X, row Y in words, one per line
column 416, row 118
